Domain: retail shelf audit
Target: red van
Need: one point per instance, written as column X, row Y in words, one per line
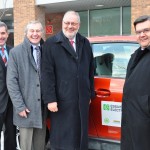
column 111, row 56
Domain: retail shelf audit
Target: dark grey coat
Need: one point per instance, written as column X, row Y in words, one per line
column 68, row 80
column 24, row 86
column 136, row 103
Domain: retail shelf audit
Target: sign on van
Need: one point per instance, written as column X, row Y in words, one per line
column 111, row 113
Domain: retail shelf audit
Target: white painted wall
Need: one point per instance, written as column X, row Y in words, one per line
column 40, row 2
column 9, row 3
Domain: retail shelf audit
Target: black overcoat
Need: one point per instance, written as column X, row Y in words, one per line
column 136, row 103
column 67, row 78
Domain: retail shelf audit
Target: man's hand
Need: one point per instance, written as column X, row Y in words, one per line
column 52, row 107
column 24, row 113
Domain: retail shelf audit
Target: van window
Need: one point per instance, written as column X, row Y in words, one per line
column 111, row 59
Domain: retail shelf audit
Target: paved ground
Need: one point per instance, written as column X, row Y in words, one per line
column 102, row 146
column 18, row 148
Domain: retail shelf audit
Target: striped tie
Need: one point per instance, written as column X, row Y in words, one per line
column 38, row 54
column 4, row 56
column 72, row 42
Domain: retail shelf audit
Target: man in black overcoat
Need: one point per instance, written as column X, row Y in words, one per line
column 136, row 93
column 6, row 108
column 67, row 85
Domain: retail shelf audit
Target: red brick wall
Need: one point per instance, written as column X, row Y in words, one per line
column 54, row 19
column 24, row 12
column 139, row 8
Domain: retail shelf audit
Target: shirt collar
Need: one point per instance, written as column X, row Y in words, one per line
column 34, row 46
column 3, row 46
column 74, row 39
column 148, row 47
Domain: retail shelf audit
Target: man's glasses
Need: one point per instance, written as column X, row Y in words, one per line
column 145, row 31
column 72, row 23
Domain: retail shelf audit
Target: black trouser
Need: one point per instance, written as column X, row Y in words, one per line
column 6, row 118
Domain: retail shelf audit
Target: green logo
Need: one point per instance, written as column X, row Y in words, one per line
column 106, row 120
column 106, row 107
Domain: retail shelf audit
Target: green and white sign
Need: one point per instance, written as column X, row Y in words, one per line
column 111, row 113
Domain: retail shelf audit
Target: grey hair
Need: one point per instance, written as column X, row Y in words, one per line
column 31, row 23
column 2, row 24
column 72, row 12
column 141, row 19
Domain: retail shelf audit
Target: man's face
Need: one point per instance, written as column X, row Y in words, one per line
column 143, row 33
column 34, row 33
column 3, row 36
column 70, row 25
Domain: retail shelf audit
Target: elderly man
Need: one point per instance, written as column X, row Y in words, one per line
column 24, row 86
column 67, row 85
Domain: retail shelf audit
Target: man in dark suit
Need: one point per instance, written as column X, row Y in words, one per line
column 67, row 85
column 6, row 109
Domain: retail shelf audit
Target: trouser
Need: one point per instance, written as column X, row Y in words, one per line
column 6, row 118
column 32, row 138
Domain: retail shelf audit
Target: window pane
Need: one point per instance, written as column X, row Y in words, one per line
column 126, row 21
column 111, row 59
column 84, row 23
column 105, row 22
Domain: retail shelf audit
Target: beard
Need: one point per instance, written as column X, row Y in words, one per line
column 70, row 35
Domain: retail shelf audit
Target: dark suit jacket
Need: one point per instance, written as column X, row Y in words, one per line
column 3, row 88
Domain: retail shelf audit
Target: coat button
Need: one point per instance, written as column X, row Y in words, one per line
column 38, row 99
column 38, row 85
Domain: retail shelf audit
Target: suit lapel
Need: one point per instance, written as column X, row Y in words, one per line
column 69, row 49
column 79, row 45
column 136, row 57
column 8, row 48
column 2, row 63
column 28, row 48
column 60, row 38
column 32, row 59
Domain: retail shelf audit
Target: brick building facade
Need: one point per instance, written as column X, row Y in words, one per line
column 139, row 8
column 26, row 10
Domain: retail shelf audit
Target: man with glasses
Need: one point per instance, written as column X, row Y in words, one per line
column 136, row 94
column 67, row 85
column 24, row 86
